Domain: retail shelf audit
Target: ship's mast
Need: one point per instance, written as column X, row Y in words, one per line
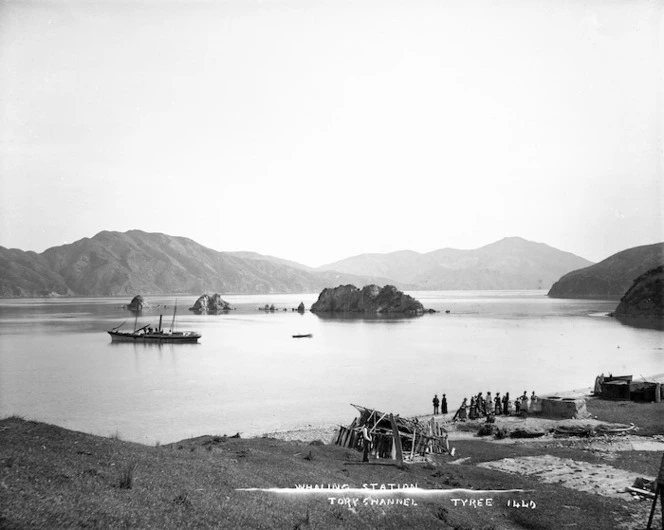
column 174, row 310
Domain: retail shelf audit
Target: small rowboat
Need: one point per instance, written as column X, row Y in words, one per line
column 307, row 336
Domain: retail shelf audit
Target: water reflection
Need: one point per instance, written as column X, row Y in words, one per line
column 369, row 317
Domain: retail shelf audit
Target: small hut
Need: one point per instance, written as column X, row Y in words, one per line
column 396, row 438
column 622, row 387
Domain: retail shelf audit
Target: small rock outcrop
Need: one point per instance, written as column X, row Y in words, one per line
column 643, row 303
column 137, row 304
column 300, row 308
column 210, row 304
column 369, row 299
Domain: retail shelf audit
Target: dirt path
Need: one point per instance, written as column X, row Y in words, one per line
column 600, row 479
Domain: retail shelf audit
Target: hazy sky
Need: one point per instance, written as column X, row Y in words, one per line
column 314, row 130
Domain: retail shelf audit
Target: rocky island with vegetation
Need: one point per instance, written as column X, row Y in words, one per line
column 210, row 304
column 369, row 299
column 137, row 304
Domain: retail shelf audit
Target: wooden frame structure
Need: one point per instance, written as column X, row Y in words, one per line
column 402, row 439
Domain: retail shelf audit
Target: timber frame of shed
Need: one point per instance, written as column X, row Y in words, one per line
column 401, row 439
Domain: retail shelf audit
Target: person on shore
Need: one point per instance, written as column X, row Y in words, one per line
column 366, row 443
column 461, row 412
column 443, row 405
column 535, row 405
column 524, row 403
column 473, row 408
column 488, row 403
column 496, row 400
column 517, row 406
column 436, row 402
column 506, row 400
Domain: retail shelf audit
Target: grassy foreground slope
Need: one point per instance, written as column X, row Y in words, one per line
column 52, row 478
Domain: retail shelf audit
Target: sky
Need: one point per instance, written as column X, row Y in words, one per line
column 314, row 130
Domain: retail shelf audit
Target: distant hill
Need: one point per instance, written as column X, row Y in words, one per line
column 511, row 263
column 116, row 264
column 612, row 277
column 137, row 262
column 255, row 255
column 643, row 303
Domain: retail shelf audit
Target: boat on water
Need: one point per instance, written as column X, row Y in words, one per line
column 147, row 334
column 305, row 336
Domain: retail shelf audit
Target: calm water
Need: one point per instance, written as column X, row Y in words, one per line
column 248, row 374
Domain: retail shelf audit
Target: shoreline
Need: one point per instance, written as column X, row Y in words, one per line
column 324, row 431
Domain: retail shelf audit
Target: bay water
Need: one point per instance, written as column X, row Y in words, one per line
column 249, row 375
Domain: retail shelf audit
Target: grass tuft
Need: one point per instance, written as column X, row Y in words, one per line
column 183, row 500
column 442, row 513
column 127, row 476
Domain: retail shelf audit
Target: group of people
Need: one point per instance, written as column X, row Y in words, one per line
column 442, row 403
column 499, row 405
column 487, row 405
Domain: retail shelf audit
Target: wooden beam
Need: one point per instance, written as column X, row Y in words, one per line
column 397, row 441
column 376, row 425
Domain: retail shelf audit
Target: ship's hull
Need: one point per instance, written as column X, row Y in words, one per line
column 177, row 337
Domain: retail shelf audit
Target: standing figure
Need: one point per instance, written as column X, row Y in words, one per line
column 366, row 443
column 517, row 405
column 535, row 405
column 497, row 404
column 443, row 405
column 436, row 402
column 488, row 403
column 506, row 399
column 461, row 413
column 524, row 403
column 473, row 408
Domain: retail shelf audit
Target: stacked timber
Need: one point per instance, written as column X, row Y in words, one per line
column 415, row 439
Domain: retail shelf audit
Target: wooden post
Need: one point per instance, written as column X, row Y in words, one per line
column 397, row 441
column 659, row 493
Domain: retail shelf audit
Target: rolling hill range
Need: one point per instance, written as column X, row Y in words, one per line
column 612, row 277
column 114, row 263
column 511, row 263
column 117, row 264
